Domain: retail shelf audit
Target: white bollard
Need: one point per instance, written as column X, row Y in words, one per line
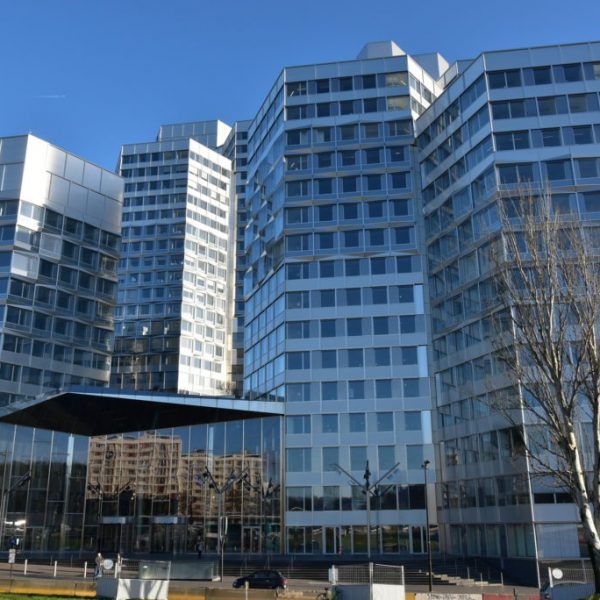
column 25, row 566
column 55, row 566
column 85, row 570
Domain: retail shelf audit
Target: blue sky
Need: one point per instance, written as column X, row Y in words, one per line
column 89, row 75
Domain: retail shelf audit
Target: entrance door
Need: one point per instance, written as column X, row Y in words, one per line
column 251, row 539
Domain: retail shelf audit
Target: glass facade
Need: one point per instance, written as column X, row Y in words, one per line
column 141, row 492
column 59, row 227
column 510, row 122
column 333, row 253
column 335, row 311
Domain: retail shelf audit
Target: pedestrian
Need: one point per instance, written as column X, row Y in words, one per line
column 98, row 570
column 199, row 549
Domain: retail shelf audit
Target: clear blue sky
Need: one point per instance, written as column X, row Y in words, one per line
column 89, row 75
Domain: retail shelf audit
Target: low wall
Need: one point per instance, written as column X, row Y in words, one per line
column 49, row 587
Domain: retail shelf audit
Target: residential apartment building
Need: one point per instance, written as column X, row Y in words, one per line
column 510, row 123
column 173, row 322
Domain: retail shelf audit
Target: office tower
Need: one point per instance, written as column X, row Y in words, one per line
column 509, row 121
column 236, row 149
column 60, row 222
column 60, row 225
column 335, row 310
column 172, row 323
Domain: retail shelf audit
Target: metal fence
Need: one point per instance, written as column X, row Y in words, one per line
column 562, row 574
column 370, row 573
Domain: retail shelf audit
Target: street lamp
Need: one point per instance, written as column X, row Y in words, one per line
column 207, row 478
column 369, row 489
column 264, row 493
column 425, row 465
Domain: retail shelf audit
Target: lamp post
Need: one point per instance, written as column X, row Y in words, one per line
column 264, row 494
column 369, row 489
column 207, row 478
column 425, row 466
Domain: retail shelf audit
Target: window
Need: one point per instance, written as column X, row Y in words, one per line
column 381, row 325
column 329, row 391
column 399, row 180
column 299, row 460
column 298, row 424
column 567, row 73
column 378, row 266
column 398, row 103
column 410, row 387
column 321, row 135
column 354, row 327
column 370, row 105
column 372, row 156
column 355, row 357
column 329, row 424
column 345, row 84
column 394, row 79
column 414, row 456
column 373, row 182
column 324, row 160
column 296, row 88
column 587, row 168
column 297, row 137
column 298, row 360
column 352, row 266
column 401, row 208
column 538, row 75
column 385, row 421
column 297, row 329
column 297, row 215
column 546, row 137
column 322, row 86
column 512, row 140
column 399, row 128
column 383, row 388
column 381, row 357
column 412, row 420
column 323, row 109
column 557, row 170
column 358, row 458
column 331, row 455
column 296, row 162
column 324, row 186
column 299, row 498
column 297, row 188
column 298, row 392
column 328, row 328
column 328, row 359
column 371, row 130
column 349, row 211
column 351, row 239
column 349, row 184
column 504, row 79
column 386, row 456
column 376, row 237
column 293, row 113
column 357, row 422
column 396, row 154
column 347, row 158
column 347, row 107
column 356, row 389
column 516, row 173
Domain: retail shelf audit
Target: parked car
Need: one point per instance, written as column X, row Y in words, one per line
column 265, row 579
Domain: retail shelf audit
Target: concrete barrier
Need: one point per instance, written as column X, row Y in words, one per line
column 124, row 589
column 49, row 587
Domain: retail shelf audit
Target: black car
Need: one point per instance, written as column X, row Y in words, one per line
column 266, row 579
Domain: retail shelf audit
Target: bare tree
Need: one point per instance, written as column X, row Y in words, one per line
column 547, row 276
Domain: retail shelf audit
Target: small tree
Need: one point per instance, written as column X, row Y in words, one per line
column 547, row 273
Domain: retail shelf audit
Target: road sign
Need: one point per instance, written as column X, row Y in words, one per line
column 12, row 556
